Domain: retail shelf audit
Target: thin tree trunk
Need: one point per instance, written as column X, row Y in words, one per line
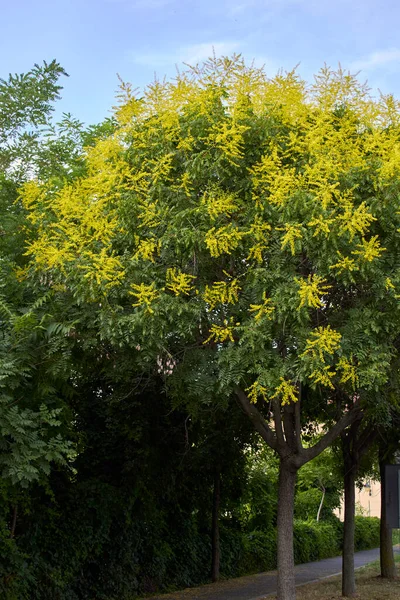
column 287, row 482
column 215, row 545
column 321, row 504
column 348, row 578
column 14, row 521
column 388, row 568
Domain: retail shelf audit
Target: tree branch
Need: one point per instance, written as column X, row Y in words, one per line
column 289, row 426
column 258, row 420
column 366, row 439
column 350, row 417
column 281, row 443
column 297, row 422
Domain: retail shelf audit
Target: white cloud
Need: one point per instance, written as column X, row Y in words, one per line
column 379, row 59
column 187, row 54
column 199, row 52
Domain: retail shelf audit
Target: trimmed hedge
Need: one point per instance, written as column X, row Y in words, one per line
column 367, row 533
column 312, row 541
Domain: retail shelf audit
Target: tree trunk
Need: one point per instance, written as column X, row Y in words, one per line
column 215, row 546
column 348, row 578
column 388, row 568
column 321, row 504
column 287, row 482
column 14, row 521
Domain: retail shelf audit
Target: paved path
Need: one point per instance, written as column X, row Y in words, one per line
column 256, row 587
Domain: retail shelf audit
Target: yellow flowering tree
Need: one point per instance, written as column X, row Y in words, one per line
column 247, row 229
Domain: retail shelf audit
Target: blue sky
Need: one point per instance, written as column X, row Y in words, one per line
column 96, row 39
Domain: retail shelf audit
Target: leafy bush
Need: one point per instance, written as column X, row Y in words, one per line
column 259, row 552
column 367, row 533
column 314, row 541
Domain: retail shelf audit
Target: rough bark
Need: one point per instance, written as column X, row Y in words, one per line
column 348, row 578
column 215, row 545
column 286, row 489
column 388, row 568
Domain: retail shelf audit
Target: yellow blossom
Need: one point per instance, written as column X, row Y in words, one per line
column 102, row 267
column 145, row 295
column 228, row 137
column 222, row 292
column 389, row 284
column 322, row 225
column 324, row 340
column 323, row 376
column 263, row 310
column 311, row 290
column 349, row 371
column 178, row 282
column 150, row 214
column 293, row 233
column 355, row 220
column 220, row 333
column 223, row 240
column 255, row 391
column 219, row 202
column 146, row 249
column 259, row 232
column 286, row 391
column 369, row 249
column 344, row 264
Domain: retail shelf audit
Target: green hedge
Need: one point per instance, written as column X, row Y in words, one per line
column 367, row 533
column 312, row 541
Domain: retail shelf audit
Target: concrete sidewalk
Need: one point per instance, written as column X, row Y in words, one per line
column 256, row 587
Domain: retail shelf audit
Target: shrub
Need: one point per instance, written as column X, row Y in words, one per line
column 259, row 552
column 313, row 541
column 367, row 533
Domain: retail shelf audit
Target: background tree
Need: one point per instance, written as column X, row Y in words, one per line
column 319, row 487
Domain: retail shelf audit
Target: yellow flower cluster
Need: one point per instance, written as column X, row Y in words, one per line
column 286, row 391
column 255, row 391
column 323, row 376
column 369, row 249
column 228, row 137
column 178, row 282
column 223, row 240
column 265, row 309
column 324, row 340
column 293, row 233
column 355, row 220
column 102, row 267
column 311, row 290
column 220, row 333
column 145, row 295
column 146, row 249
column 322, row 225
column 349, row 371
column 345, row 263
column 258, row 231
column 218, row 202
column 222, row 292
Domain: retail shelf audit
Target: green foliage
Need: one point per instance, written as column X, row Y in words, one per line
column 367, row 533
column 319, row 480
column 26, row 104
column 314, row 541
column 259, row 552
